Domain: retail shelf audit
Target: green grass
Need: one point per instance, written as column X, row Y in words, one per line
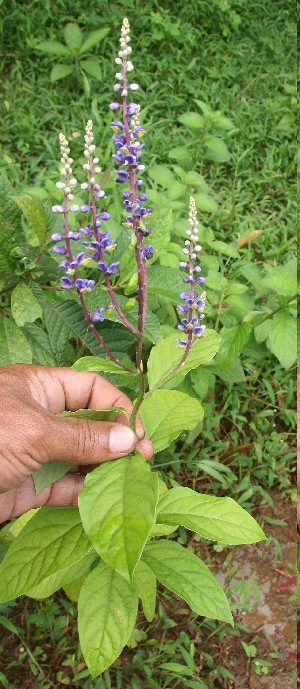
column 239, row 58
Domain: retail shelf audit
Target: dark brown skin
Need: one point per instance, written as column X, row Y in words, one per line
column 31, row 434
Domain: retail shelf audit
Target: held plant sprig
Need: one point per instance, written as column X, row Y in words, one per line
column 108, row 554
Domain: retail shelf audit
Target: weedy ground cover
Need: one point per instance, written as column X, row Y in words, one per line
column 240, row 90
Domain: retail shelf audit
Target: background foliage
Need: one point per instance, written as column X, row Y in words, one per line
column 218, row 103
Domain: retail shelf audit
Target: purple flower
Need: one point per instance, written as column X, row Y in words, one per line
column 132, row 109
column 59, row 250
column 100, row 194
column 56, row 237
column 104, row 216
column 74, row 208
column 97, row 316
column 122, row 176
column 74, row 235
column 85, row 232
column 114, row 106
column 84, row 286
column 147, row 252
column 181, row 343
column 110, row 269
column 85, row 208
column 66, row 283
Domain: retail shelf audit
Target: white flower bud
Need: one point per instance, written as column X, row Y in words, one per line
column 67, row 190
column 60, row 185
column 134, row 87
column 118, row 61
column 185, row 251
column 72, row 182
column 95, row 160
column 129, row 66
column 70, row 197
column 117, row 87
column 188, row 232
column 97, row 170
column 198, row 247
column 187, row 242
column 124, row 92
column 92, row 180
column 86, row 166
column 84, row 185
column 118, row 76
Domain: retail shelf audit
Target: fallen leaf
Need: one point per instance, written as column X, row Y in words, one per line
column 248, row 238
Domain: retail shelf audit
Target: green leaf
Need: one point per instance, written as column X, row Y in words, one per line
column 53, row 48
column 182, row 154
column 233, row 341
column 223, row 248
column 93, row 39
column 161, row 224
column 188, row 577
column 62, row 578
column 25, row 307
column 109, row 414
column 145, row 582
column 11, row 233
column 216, row 149
column 14, row 348
column 107, row 609
column 166, row 413
column 60, row 72
column 52, row 541
column 205, row 203
column 282, row 339
column 192, row 120
column 48, row 474
column 92, row 68
column 165, row 356
column 162, row 175
column 35, row 213
column 97, row 364
column 282, row 280
column 175, row 191
column 73, row 37
column 219, row 519
column 206, row 109
column 165, row 282
column 262, row 331
column 40, row 345
column 194, row 179
column 117, row 508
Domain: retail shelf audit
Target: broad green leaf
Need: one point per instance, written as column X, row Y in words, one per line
column 93, row 39
column 35, row 213
column 73, row 37
column 11, row 233
column 205, row 203
column 223, row 248
column 161, row 225
column 231, row 374
column 233, row 341
column 73, row 588
column 48, row 474
column 145, row 582
column 60, row 72
column 192, row 120
column 11, row 530
column 216, row 281
column 25, row 307
column 165, row 282
column 166, row 413
column 219, row 519
column 53, row 48
column 175, row 191
column 187, row 576
column 282, row 280
column 182, row 154
column 206, row 109
column 162, row 175
column 107, row 609
column 216, row 149
column 165, row 356
column 92, row 68
column 162, row 530
column 108, row 414
column 262, row 330
column 62, row 578
column 117, row 508
column 40, row 345
column 95, row 363
column 51, row 542
column 194, row 179
column 282, row 339
column 14, row 348
column 66, row 320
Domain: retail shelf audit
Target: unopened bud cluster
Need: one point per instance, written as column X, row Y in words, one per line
column 193, row 307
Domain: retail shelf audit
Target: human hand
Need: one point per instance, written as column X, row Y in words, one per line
column 32, row 435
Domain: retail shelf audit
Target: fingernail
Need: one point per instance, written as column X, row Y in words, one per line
column 121, row 439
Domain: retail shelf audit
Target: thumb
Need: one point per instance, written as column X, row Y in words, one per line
column 80, row 441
